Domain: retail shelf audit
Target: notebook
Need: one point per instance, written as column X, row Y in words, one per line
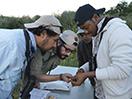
column 56, row 85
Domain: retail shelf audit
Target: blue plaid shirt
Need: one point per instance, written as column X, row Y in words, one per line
column 12, row 59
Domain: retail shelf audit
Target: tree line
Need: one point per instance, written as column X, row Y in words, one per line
column 122, row 10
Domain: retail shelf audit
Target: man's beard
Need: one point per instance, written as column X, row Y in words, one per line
column 43, row 50
column 58, row 52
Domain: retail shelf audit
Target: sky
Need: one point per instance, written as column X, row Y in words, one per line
column 31, row 8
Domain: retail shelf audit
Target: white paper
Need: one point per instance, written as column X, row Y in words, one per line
column 39, row 94
column 56, row 85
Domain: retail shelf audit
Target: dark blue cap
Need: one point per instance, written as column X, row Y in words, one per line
column 85, row 13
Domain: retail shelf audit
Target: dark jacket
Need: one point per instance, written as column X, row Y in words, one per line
column 84, row 52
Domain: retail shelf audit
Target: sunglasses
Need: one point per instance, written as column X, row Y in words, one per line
column 67, row 49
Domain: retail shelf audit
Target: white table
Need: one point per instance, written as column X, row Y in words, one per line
column 85, row 91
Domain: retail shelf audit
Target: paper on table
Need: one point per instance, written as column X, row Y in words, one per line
column 56, row 85
column 39, row 94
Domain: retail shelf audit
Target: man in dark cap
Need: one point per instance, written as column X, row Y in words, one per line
column 111, row 63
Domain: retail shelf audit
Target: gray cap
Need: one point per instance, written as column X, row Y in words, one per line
column 48, row 21
column 70, row 38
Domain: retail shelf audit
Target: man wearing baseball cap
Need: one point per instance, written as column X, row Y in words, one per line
column 18, row 45
column 44, row 63
column 85, row 45
column 110, row 69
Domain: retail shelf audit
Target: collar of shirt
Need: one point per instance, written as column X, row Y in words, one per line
column 100, row 24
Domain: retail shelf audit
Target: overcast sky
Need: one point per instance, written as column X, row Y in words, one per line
column 46, row 7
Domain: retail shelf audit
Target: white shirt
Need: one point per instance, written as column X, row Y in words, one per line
column 12, row 58
column 114, row 60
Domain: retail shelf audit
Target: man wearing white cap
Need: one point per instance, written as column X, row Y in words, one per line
column 85, row 45
column 17, row 47
column 41, row 64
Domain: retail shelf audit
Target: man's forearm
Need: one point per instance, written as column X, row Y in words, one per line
column 47, row 78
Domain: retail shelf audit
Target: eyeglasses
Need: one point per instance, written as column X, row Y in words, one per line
column 68, row 50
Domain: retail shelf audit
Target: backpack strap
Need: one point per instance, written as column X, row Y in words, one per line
column 27, row 52
column 107, row 19
column 30, row 79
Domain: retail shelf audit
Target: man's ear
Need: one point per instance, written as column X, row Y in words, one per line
column 95, row 18
column 44, row 34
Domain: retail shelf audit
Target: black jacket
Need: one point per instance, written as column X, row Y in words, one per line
column 84, row 52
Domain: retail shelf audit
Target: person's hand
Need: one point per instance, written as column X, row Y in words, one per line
column 37, row 84
column 66, row 77
column 80, row 71
column 78, row 79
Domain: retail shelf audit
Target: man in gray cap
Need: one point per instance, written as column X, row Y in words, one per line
column 85, row 45
column 43, row 63
column 112, row 54
column 17, row 47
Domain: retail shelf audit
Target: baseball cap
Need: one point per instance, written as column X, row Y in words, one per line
column 85, row 13
column 70, row 38
column 48, row 22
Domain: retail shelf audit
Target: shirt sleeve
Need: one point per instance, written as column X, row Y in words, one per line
column 85, row 67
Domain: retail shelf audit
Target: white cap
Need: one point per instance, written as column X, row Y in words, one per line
column 48, row 21
column 80, row 31
column 70, row 38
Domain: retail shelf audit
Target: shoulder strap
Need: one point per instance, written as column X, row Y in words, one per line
column 107, row 19
column 31, row 80
column 27, row 52
column 27, row 39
